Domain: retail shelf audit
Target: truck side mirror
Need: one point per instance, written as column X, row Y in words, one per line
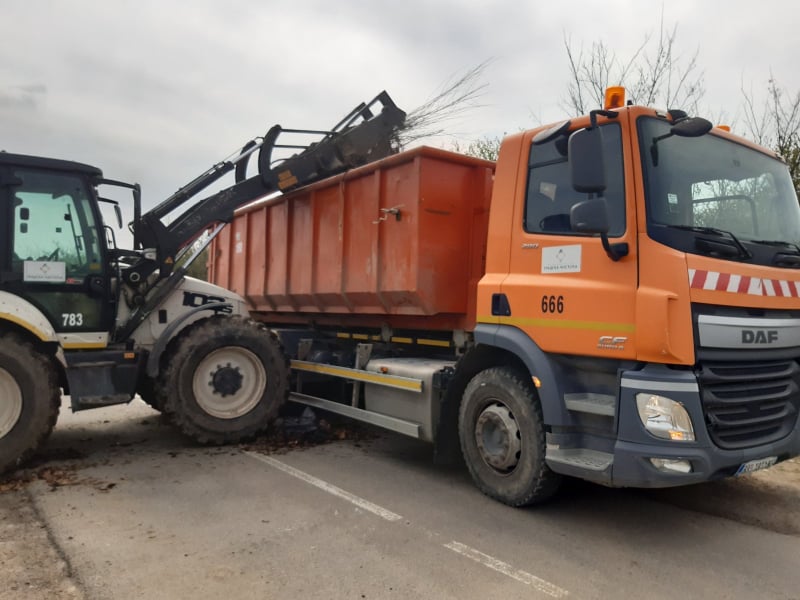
column 586, row 164
column 589, row 216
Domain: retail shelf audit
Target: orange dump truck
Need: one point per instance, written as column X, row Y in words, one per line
column 616, row 299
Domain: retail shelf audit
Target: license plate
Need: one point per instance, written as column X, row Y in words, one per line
column 756, row 465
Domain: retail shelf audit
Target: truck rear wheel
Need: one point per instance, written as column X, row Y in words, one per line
column 227, row 379
column 29, row 401
column 503, row 440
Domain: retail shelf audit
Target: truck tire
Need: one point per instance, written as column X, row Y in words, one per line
column 227, row 378
column 503, row 440
column 29, row 401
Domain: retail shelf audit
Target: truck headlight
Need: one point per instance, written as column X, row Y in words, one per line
column 665, row 418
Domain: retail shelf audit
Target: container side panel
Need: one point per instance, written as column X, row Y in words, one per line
column 277, row 256
column 256, row 256
column 220, row 259
column 237, row 265
column 328, row 250
column 398, row 241
column 301, row 249
column 360, row 272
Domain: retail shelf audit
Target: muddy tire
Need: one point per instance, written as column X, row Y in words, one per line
column 29, row 400
column 225, row 380
column 503, row 439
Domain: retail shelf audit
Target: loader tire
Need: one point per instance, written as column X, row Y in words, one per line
column 503, row 439
column 29, row 400
column 227, row 377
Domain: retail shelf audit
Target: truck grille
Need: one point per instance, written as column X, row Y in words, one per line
column 749, row 403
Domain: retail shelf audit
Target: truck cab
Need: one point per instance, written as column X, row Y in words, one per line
column 649, row 282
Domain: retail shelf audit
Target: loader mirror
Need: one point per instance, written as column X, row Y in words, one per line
column 24, row 214
column 118, row 213
column 586, row 164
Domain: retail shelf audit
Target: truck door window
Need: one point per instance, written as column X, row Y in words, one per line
column 53, row 221
column 550, row 195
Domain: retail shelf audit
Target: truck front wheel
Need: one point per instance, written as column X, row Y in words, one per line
column 29, row 401
column 227, row 378
column 503, row 440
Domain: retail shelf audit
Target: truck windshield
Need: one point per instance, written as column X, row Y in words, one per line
column 722, row 191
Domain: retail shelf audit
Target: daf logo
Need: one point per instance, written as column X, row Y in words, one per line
column 759, row 336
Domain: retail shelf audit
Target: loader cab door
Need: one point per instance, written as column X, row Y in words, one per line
column 54, row 254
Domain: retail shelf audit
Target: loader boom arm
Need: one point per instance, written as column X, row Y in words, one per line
column 364, row 135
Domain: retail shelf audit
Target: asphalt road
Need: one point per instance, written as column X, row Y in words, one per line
column 142, row 513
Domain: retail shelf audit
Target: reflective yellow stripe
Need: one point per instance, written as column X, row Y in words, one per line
column 344, row 336
column 402, row 340
column 414, row 385
column 83, row 345
column 558, row 324
column 360, row 336
column 440, row 343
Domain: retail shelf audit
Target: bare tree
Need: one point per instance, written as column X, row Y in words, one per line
column 486, row 148
column 655, row 74
column 776, row 123
column 454, row 98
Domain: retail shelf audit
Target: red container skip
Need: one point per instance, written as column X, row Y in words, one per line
column 399, row 242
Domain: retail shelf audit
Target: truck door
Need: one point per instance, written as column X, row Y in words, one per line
column 563, row 289
column 54, row 256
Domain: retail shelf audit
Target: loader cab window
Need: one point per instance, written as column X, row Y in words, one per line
column 53, row 223
column 550, row 195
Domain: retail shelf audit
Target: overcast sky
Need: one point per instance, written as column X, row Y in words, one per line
column 155, row 91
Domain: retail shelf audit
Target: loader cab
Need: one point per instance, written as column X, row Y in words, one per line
column 53, row 250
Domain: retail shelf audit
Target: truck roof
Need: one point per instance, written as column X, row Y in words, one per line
column 40, row 162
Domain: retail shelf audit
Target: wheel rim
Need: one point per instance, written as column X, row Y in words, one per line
column 498, row 437
column 11, row 405
column 229, row 382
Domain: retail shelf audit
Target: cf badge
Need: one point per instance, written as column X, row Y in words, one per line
column 610, row 342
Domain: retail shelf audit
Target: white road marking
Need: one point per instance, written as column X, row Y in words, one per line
column 501, row 567
column 327, row 487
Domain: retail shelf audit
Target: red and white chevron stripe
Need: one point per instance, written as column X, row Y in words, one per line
column 742, row 284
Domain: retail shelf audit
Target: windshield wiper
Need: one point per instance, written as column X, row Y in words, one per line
column 789, row 259
column 723, row 247
column 791, row 245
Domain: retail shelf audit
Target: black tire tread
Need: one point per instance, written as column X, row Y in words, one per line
column 545, row 483
column 180, row 351
column 44, row 374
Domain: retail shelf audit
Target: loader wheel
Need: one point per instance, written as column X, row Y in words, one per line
column 227, row 378
column 503, row 440
column 29, row 401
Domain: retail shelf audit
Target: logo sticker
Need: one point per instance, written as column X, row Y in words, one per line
column 561, row 259
column 42, row 271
